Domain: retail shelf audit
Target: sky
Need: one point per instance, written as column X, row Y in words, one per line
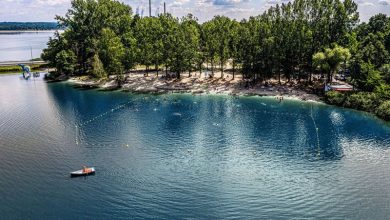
column 45, row 10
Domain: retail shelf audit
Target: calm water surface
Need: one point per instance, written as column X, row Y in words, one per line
column 16, row 46
column 183, row 156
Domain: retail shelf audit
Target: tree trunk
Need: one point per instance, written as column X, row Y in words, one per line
column 233, row 68
column 212, row 68
column 221, row 70
column 166, row 71
column 157, row 69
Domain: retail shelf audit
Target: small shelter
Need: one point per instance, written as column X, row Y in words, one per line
column 338, row 88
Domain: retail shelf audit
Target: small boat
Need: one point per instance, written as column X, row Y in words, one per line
column 84, row 172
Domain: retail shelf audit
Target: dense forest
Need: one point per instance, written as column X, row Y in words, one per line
column 291, row 41
column 17, row 26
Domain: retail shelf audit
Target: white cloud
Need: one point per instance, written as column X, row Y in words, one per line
column 52, row 2
column 384, row 2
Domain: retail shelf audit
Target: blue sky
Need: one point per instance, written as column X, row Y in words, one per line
column 45, row 10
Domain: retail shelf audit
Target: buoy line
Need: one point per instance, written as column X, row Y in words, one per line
column 315, row 126
column 112, row 110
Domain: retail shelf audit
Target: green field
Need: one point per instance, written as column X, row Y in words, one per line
column 18, row 69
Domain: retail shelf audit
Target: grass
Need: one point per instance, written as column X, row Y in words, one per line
column 18, row 69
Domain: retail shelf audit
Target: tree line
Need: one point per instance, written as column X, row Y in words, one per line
column 16, row 26
column 290, row 40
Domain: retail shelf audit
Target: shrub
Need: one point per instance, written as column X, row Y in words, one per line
column 383, row 91
column 335, row 98
column 383, row 111
column 365, row 101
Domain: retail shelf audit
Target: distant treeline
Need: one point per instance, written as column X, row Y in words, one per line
column 28, row 26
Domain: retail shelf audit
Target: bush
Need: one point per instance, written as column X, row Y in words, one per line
column 52, row 75
column 365, row 101
column 335, row 98
column 383, row 111
column 368, row 77
column 383, row 91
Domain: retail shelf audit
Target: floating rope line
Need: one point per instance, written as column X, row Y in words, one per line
column 77, row 135
column 318, row 137
column 78, row 127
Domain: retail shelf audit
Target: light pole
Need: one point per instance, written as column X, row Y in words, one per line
column 150, row 8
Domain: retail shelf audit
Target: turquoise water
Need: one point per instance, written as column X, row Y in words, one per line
column 183, row 156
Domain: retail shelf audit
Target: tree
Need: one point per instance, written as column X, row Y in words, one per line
column 210, row 43
column 372, row 49
column 234, row 40
column 169, row 27
column 84, row 23
column 55, row 45
column 65, row 62
column 366, row 76
column 385, row 70
column 221, row 28
column 189, row 28
column 98, row 68
column 148, row 33
column 330, row 59
column 131, row 50
column 111, row 52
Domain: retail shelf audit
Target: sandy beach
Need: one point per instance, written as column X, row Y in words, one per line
column 198, row 84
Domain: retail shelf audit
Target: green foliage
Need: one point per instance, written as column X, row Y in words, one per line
column 28, row 26
column 383, row 91
column 362, row 101
column 283, row 39
column 98, row 68
column 330, row 59
column 367, row 77
column 292, row 39
column 372, row 50
column 335, row 98
column 65, row 62
column 111, row 51
column 385, row 71
column 383, row 110
column 191, row 37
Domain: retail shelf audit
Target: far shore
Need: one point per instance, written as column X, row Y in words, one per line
column 137, row 82
column 26, row 31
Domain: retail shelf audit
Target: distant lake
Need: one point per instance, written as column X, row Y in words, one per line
column 16, row 46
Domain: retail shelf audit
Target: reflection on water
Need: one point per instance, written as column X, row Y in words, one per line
column 184, row 156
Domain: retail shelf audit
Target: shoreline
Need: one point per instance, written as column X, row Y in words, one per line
column 196, row 85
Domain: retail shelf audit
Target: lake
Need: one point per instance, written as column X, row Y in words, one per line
column 17, row 46
column 180, row 156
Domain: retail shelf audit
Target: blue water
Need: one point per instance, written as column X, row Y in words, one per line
column 184, row 157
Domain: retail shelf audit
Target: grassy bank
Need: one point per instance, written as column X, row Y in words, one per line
column 18, row 69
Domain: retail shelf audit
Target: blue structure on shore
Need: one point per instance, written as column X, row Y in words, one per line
column 26, row 71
